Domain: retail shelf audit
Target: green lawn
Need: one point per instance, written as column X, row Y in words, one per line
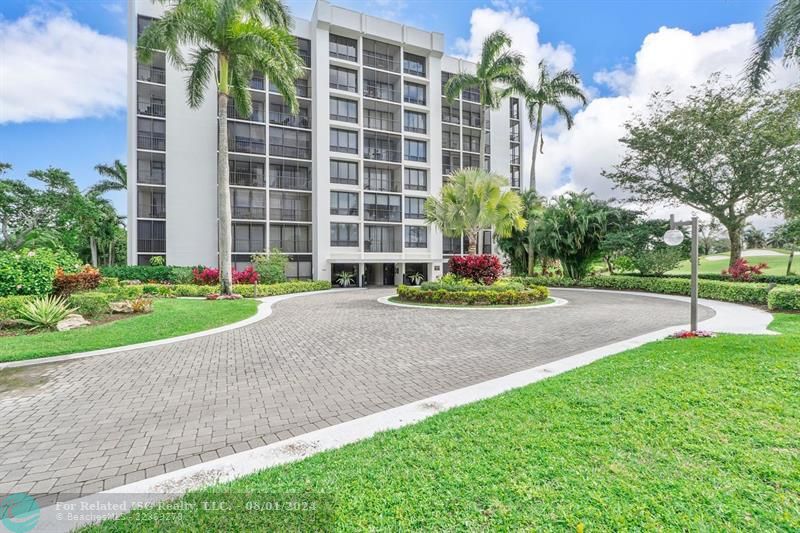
column 775, row 265
column 692, row 435
column 169, row 318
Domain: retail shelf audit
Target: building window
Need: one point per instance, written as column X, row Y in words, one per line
column 248, row 204
column 150, row 168
column 344, row 110
column 416, row 237
column 416, row 179
column 380, row 179
column 246, row 173
column 381, row 55
column 142, row 23
column 344, row 203
column 414, row 93
column 473, row 94
column 151, row 203
column 151, row 236
column 151, row 134
column 514, row 132
column 299, row 267
column 514, row 108
column 515, row 154
column 290, row 175
column 290, row 206
column 343, row 79
column 344, row 234
column 248, row 238
column 382, row 207
column 414, row 64
column 343, row 48
column 416, row 122
column 344, row 172
column 416, row 150
column 382, row 238
column 290, row 238
column 415, row 207
column 304, row 50
column 487, row 242
column 289, row 143
column 345, row 141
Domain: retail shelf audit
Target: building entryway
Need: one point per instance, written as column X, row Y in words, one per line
column 380, row 274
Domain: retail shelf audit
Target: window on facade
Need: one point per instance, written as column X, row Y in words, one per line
column 299, row 267
column 246, row 173
column 514, row 108
column 472, row 94
column 248, row 238
column 151, row 134
column 290, row 143
column 345, row 141
column 451, row 245
column 515, row 154
column 416, row 150
column 445, row 78
column 290, row 238
column 416, row 237
column 414, row 93
column 344, row 172
column 344, row 234
column 151, row 235
column 343, row 48
column 151, row 203
column 382, row 207
column 290, row 175
column 344, row 110
column 344, row 203
column 142, row 23
column 343, row 79
column 293, row 206
column 487, row 242
column 150, row 168
column 382, row 238
column 304, row 50
column 450, row 113
column 246, row 138
column 248, row 204
column 414, row 64
column 416, row 179
column 515, row 177
column 415, row 207
column 381, row 55
column 514, row 132
column 380, row 179
column 416, row 122
column 472, row 142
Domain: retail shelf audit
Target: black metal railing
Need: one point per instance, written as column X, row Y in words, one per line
column 287, row 119
column 249, row 212
column 247, row 178
column 152, row 210
column 381, row 91
column 381, row 123
column 411, row 244
column 152, row 245
column 151, row 73
column 279, row 181
column 344, row 118
column 149, row 141
column 382, row 154
column 381, row 61
column 257, row 83
column 416, row 129
column 296, row 215
column 295, row 152
column 414, row 157
column 344, row 243
column 344, row 87
column 292, row 246
column 414, row 214
column 247, row 145
column 382, row 213
column 345, row 211
column 345, row 181
column 414, row 100
column 257, row 114
column 393, row 245
column 381, row 184
column 151, row 177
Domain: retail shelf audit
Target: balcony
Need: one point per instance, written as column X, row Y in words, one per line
column 298, row 183
column 151, row 141
column 339, row 243
column 151, row 107
column 382, row 154
column 150, row 169
column 249, row 212
column 385, row 122
column 287, row 119
column 151, row 73
column 247, row 145
column 152, row 245
column 345, row 211
column 385, row 246
column 381, row 91
column 381, row 180
column 380, row 61
column 382, row 213
column 257, row 114
column 288, row 246
column 290, row 214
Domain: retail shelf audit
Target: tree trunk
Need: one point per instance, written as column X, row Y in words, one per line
column 735, row 237
column 536, row 141
column 111, row 253
column 791, row 258
column 531, row 257
column 482, row 137
column 609, row 265
column 224, row 197
column 93, row 250
column 472, row 240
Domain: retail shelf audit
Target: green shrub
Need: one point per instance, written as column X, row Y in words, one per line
column 108, row 283
column 90, row 304
column 44, row 312
column 277, row 289
column 33, row 271
column 657, row 261
column 271, row 268
column 784, row 299
column 123, row 292
column 143, row 273
column 792, row 279
column 182, row 275
column 478, row 295
column 10, row 306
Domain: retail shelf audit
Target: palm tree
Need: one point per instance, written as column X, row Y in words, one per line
column 783, row 27
column 116, row 174
column 474, row 199
column 550, row 91
column 230, row 39
column 498, row 65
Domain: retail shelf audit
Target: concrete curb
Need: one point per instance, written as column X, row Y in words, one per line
column 729, row 318
column 555, row 303
column 264, row 310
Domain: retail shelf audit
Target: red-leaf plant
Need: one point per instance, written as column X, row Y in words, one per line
column 484, row 268
column 741, row 270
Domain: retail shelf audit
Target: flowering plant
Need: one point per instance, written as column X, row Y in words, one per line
column 248, row 275
column 741, row 270
column 688, row 334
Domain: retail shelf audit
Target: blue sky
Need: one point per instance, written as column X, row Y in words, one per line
column 597, row 36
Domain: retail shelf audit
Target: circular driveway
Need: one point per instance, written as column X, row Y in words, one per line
column 88, row 425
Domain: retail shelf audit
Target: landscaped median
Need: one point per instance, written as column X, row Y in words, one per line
column 465, row 293
column 786, row 299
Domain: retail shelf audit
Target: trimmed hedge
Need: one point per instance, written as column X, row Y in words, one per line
column 480, row 295
column 784, row 299
column 248, row 291
column 794, row 279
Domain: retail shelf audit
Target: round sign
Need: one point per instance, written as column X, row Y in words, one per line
column 673, row 237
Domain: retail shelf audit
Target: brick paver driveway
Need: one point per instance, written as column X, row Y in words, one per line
column 84, row 426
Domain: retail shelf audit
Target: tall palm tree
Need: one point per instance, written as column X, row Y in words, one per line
column 474, row 199
column 783, row 27
column 550, row 91
column 116, row 176
column 230, row 39
column 498, row 65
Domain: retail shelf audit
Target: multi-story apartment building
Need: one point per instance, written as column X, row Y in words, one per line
column 339, row 186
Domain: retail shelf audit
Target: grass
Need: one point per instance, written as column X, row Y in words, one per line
column 691, row 435
column 776, row 265
column 397, row 299
column 169, row 318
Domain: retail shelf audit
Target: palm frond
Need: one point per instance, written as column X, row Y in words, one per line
column 491, row 48
column 459, row 83
column 202, row 68
column 783, row 24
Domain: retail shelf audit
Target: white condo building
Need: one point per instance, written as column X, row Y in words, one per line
column 341, row 185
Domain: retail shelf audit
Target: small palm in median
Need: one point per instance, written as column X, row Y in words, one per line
column 473, row 200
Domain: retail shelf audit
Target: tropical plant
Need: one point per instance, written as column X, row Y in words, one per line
column 416, row 278
column 230, row 40
column 741, row 270
column 754, row 238
column 498, row 65
column 783, row 26
column 572, row 228
column 157, row 261
column 116, row 175
column 472, row 200
column 788, row 234
column 271, row 266
column 641, row 242
column 550, row 90
column 725, row 151
column 33, row 271
column 45, row 312
column 484, row 269
column 344, row 279
column 142, row 305
column 520, row 246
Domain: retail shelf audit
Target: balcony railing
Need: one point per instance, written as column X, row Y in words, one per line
column 149, row 141
column 152, row 211
column 247, row 178
column 514, row 137
column 151, row 108
column 449, row 169
column 514, row 159
column 381, row 91
column 301, row 86
column 394, row 245
column 471, row 96
column 344, row 87
column 247, row 145
column 287, row 119
column 345, row 243
column 413, row 157
column 345, row 211
column 296, row 215
column 152, row 245
column 151, row 177
column 249, row 212
column 414, row 100
column 382, row 184
column 344, row 118
column 245, row 246
column 416, row 129
column 381, row 61
column 382, row 154
column 294, row 152
column 382, row 213
column 381, row 123
column 151, row 73
column 306, row 57
column 452, row 145
column 292, row 246
column 256, row 116
column 300, row 183
column 450, row 118
column 410, row 244
column 416, row 215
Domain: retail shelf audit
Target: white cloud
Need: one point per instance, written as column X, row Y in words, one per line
column 54, row 68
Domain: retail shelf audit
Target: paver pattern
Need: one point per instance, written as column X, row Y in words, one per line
column 88, row 425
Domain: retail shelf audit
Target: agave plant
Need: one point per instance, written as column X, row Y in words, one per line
column 45, row 312
column 344, row 279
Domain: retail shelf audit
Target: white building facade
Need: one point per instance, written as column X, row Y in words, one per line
column 339, row 186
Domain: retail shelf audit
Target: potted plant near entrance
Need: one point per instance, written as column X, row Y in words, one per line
column 344, row 279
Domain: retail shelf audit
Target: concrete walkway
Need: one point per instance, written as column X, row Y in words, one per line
column 92, row 424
